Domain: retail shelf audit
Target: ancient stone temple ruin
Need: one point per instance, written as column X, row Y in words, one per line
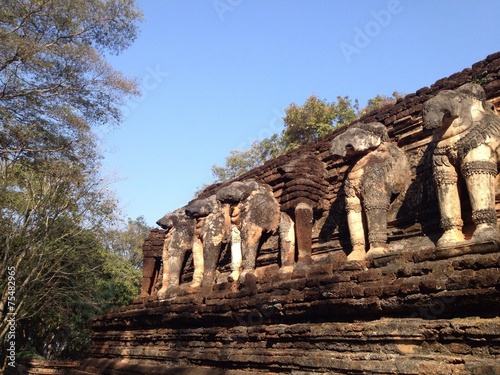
column 372, row 251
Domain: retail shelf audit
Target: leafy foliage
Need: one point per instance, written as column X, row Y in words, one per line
column 316, row 118
column 127, row 242
column 303, row 124
column 240, row 162
column 54, row 80
column 90, row 281
column 55, row 88
column 381, row 101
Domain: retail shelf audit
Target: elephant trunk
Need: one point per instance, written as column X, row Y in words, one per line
column 343, row 143
column 433, row 119
column 442, row 109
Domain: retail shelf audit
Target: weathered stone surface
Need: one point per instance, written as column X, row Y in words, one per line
column 419, row 310
column 37, row 366
column 379, row 172
column 441, row 312
column 466, row 141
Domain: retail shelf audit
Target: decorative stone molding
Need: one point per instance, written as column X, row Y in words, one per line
column 419, row 308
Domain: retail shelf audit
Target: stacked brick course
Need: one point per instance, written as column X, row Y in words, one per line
column 418, row 311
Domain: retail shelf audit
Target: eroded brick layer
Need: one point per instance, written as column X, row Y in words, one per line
column 420, row 311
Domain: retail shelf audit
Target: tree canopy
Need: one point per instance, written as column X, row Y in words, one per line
column 127, row 241
column 240, row 162
column 54, row 80
column 380, row 101
column 303, row 124
column 316, row 118
column 56, row 87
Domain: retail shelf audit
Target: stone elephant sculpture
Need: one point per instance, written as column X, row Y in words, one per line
column 178, row 241
column 379, row 173
column 252, row 210
column 466, row 134
column 211, row 233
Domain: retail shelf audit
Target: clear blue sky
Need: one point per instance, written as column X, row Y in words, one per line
column 217, row 75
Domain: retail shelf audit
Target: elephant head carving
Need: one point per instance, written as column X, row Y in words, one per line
column 380, row 171
column 359, row 139
column 447, row 106
column 442, row 109
column 201, row 207
column 466, row 133
column 237, row 191
column 171, row 219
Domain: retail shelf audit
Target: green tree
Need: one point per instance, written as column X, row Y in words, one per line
column 96, row 280
column 48, row 210
column 55, row 88
column 303, row 124
column 54, row 80
column 380, row 101
column 127, row 242
column 316, row 118
column 242, row 161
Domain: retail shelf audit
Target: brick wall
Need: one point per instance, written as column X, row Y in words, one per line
column 417, row 311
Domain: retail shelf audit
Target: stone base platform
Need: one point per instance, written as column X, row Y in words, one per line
column 420, row 312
